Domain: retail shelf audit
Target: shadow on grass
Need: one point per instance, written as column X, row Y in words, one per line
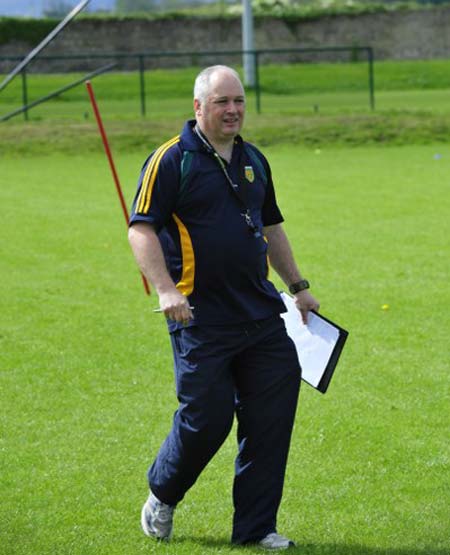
column 309, row 549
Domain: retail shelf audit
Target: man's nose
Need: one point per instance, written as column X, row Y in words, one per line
column 232, row 106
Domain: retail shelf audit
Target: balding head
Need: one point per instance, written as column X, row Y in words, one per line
column 206, row 79
column 219, row 104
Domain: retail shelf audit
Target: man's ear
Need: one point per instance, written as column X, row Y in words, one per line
column 197, row 107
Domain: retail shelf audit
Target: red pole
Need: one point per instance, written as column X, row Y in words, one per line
column 112, row 165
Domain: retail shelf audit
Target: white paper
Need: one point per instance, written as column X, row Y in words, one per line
column 314, row 342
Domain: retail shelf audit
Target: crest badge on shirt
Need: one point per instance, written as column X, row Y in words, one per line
column 249, row 174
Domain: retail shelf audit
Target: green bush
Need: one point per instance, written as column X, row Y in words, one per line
column 28, row 30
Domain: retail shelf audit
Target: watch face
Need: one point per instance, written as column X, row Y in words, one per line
column 299, row 286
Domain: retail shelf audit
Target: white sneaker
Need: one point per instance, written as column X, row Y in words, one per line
column 157, row 518
column 276, row 541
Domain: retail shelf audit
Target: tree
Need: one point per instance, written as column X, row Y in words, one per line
column 57, row 8
column 128, row 6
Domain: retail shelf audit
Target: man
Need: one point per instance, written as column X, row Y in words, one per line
column 203, row 225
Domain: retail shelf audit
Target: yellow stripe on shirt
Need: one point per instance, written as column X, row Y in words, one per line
column 145, row 195
column 186, row 283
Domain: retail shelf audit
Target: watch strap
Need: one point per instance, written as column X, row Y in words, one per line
column 298, row 286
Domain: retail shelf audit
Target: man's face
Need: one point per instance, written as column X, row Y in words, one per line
column 221, row 115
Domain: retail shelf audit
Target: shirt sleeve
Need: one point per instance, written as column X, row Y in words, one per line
column 157, row 189
column 271, row 214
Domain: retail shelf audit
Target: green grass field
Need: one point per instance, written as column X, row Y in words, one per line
column 285, row 89
column 304, row 104
column 86, row 379
column 86, row 372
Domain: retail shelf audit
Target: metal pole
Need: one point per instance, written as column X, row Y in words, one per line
column 371, row 79
column 142, row 84
column 112, row 165
column 257, row 85
column 24, row 94
column 57, row 92
column 44, row 43
column 248, row 61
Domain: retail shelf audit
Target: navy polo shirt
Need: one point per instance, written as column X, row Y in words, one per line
column 211, row 253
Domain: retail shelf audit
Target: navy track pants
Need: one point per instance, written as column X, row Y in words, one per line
column 250, row 370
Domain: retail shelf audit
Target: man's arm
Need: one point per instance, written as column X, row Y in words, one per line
column 282, row 261
column 150, row 258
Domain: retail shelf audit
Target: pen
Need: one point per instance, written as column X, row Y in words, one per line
column 160, row 309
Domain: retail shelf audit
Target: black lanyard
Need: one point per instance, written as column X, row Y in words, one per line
column 239, row 190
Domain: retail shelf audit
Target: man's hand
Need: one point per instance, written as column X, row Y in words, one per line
column 305, row 302
column 175, row 306
column 149, row 255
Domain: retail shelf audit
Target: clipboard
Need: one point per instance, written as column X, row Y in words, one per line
column 319, row 344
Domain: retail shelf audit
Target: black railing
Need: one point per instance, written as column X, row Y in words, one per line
column 140, row 59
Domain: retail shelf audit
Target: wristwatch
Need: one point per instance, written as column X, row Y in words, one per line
column 298, row 286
